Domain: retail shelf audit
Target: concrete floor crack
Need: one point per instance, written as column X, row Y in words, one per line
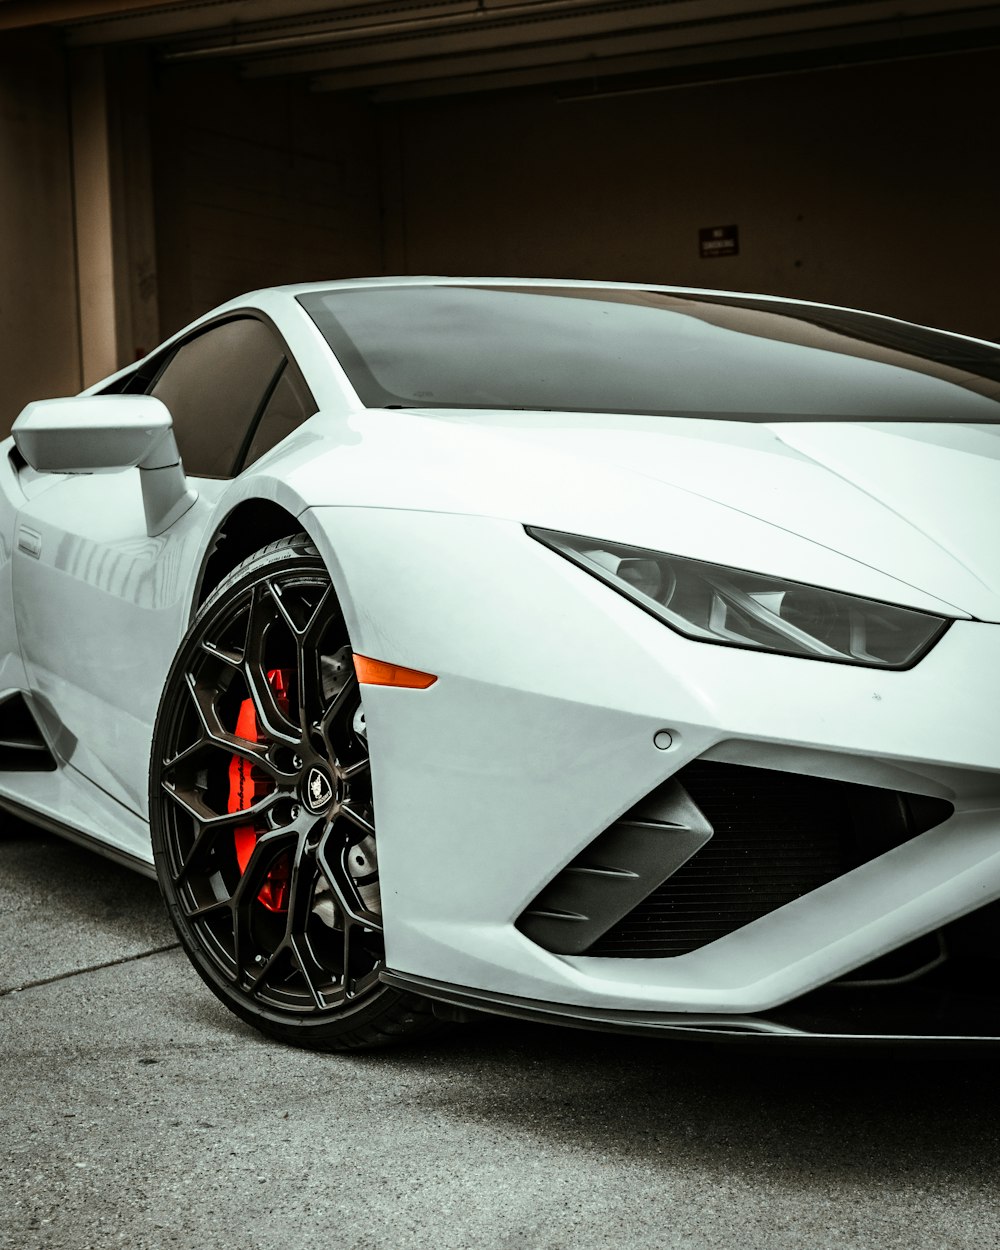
column 77, row 972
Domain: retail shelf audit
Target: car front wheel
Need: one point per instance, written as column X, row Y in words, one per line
column 261, row 812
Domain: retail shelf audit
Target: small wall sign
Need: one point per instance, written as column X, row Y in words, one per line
column 716, row 241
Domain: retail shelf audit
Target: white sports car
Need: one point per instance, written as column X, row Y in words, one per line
column 615, row 655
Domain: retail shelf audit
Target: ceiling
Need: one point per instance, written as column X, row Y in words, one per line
column 404, row 48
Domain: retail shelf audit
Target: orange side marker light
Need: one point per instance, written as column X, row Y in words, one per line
column 380, row 673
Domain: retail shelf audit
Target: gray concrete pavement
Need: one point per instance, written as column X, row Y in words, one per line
column 138, row 1113
column 63, row 908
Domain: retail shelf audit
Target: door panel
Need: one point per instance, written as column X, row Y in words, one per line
column 99, row 606
column 99, row 611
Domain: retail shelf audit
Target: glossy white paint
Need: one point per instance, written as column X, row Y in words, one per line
column 539, row 731
column 98, row 613
column 96, row 434
column 727, row 492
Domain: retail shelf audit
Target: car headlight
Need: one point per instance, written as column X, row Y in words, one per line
column 734, row 608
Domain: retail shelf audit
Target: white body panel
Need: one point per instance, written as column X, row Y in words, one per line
column 99, row 612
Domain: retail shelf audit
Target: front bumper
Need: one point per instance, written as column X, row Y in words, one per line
column 540, row 733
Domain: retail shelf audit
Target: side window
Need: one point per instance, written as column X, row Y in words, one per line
column 214, row 386
column 289, row 405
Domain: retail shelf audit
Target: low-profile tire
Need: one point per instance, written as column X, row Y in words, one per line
column 261, row 811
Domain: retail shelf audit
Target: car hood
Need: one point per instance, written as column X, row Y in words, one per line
column 901, row 510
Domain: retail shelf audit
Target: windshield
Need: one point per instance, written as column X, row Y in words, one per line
column 608, row 349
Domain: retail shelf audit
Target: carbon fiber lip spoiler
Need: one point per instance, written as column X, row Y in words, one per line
column 460, row 1004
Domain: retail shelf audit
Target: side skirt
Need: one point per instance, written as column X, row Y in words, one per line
column 32, row 817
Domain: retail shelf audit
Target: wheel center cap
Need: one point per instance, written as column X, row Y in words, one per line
column 318, row 791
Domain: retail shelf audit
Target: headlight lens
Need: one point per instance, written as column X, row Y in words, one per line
column 735, row 608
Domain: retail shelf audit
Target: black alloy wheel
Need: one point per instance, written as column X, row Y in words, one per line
column 261, row 811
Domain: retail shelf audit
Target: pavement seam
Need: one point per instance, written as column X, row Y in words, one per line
column 78, row 972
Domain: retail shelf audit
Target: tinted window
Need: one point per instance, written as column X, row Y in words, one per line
column 214, row 386
column 588, row 349
column 290, row 404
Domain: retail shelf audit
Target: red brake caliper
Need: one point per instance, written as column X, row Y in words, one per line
column 247, row 784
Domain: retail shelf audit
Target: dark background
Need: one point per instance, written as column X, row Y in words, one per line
column 157, row 159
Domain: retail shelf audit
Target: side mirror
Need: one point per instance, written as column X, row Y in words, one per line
column 105, row 433
column 94, row 433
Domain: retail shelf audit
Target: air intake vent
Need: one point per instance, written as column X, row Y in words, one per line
column 711, row 850
column 22, row 747
column 616, row 871
column 776, row 836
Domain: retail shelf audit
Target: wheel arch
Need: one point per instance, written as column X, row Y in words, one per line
column 250, row 525
column 254, row 523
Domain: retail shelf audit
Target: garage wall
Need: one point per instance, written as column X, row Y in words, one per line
column 875, row 186
column 257, row 184
column 872, row 186
column 39, row 331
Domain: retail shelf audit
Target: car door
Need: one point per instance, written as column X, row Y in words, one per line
column 100, row 606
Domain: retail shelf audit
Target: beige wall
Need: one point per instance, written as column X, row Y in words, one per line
column 876, row 187
column 258, row 184
column 77, row 279
column 39, row 331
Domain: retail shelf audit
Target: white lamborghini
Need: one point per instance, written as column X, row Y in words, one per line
column 608, row 654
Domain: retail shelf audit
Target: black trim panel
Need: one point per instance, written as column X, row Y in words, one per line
column 671, row 1025
column 22, row 745
column 616, row 872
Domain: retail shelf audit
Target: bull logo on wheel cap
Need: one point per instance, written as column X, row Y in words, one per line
column 319, row 791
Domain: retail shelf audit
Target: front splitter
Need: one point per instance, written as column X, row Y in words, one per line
column 801, row 1022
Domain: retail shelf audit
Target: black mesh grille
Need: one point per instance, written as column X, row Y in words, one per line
column 776, row 837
